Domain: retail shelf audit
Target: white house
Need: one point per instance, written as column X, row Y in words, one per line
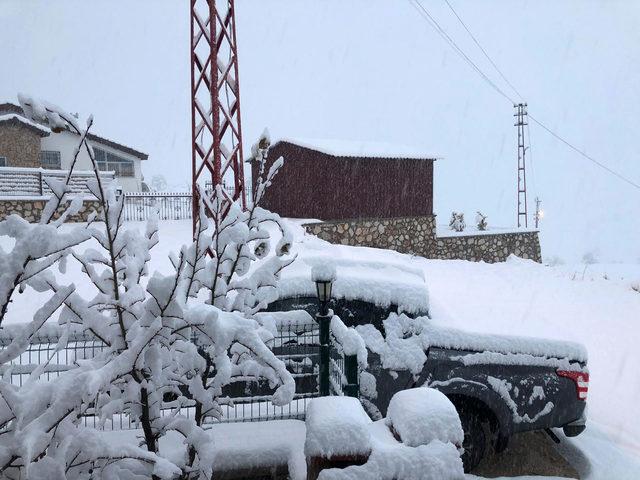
column 26, row 144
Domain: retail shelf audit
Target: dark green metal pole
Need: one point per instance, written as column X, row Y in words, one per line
column 323, row 322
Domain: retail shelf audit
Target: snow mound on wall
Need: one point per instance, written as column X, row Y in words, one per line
column 436, row 461
column 242, row 446
column 350, row 148
column 421, row 415
column 336, row 426
column 379, row 282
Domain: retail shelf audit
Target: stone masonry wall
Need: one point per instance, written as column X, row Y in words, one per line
column 31, row 210
column 490, row 247
column 417, row 235
column 20, row 145
column 405, row 234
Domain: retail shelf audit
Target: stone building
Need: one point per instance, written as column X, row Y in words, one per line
column 379, row 196
column 24, row 143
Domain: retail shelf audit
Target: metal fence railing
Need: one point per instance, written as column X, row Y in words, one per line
column 138, row 206
column 231, row 189
column 296, row 344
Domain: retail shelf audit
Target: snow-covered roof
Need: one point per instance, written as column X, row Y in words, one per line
column 350, row 148
column 14, row 117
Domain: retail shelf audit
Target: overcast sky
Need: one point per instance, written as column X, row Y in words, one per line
column 372, row 70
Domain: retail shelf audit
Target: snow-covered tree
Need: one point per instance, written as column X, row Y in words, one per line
column 158, row 183
column 590, row 257
column 481, row 221
column 456, row 222
column 171, row 341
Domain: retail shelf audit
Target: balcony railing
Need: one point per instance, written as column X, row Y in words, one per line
column 16, row 181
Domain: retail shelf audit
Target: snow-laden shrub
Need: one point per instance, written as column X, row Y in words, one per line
column 456, row 222
column 554, row 260
column 589, row 258
column 481, row 221
column 164, row 345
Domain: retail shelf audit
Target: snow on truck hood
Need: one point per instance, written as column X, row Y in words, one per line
column 382, row 283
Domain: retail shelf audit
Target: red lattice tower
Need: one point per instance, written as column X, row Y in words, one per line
column 215, row 102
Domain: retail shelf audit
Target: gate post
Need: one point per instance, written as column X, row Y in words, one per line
column 352, row 388
column 324, row 322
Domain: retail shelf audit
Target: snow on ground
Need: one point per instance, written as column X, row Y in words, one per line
column 596, row 457
column 594, row 304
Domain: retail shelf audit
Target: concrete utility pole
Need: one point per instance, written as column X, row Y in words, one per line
column 539, row 213
column 521, row 122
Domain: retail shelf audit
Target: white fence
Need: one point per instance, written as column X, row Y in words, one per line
column 169, row 206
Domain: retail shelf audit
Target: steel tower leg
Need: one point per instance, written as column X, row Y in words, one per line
column 216, row 134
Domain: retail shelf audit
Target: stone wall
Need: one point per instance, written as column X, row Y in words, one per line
column 31, row 209
column 417, row 235
column 20, row 144
column 405, row 234
column 489, row 247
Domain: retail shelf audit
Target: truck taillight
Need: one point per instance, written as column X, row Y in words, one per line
column 581, row 380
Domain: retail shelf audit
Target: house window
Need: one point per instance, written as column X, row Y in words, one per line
column 50, row 159
column 110, row 162
column 3, row 161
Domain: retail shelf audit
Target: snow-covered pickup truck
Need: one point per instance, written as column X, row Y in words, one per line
column 500, row 385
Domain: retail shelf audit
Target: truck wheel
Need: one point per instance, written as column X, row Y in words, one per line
column 475, row 440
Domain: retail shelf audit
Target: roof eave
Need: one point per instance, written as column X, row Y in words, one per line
column 117, row 146
column 375, row 157
column 16, row 121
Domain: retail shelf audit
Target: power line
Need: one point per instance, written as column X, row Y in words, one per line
column 620, row 176
column 423, row 11
column 432, row 21
column 533, row 170
column 497, row 69
column 588, row 157
column 482, row 49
